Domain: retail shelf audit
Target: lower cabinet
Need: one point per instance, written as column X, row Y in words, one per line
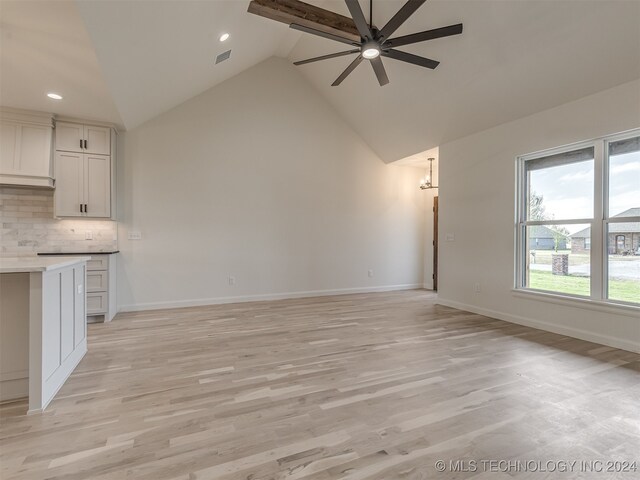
column 43, row 330
column 101, row 288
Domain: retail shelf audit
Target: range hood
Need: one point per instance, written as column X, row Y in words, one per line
column 26, row 148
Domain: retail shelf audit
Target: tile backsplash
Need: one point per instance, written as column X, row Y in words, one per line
column 28, row 226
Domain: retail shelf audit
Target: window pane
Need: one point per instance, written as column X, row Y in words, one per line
column 623, row 244
column 624, row 178
column 560, row 187
column 558, row 258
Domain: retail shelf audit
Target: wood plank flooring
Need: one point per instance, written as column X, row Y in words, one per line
column 371, row 386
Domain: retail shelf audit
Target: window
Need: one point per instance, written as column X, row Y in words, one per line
column 572, row 199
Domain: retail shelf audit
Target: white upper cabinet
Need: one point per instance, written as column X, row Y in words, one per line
column 85, row 170
column 97, row 140
column 69, row 194
column 69, row 137
column 25, row 149
column 74, row 137
column 97, row 181
column 83, row 185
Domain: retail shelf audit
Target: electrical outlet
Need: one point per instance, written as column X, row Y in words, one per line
column 476, row 288
column 88, row 235
column 450, row 237
column 232, row 280
column 80, row 288
column 134, row 236
column 370, row 273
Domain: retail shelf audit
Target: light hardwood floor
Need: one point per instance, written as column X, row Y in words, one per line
column 371, row 386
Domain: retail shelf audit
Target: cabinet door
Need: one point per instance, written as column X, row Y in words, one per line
column 98, row 140
column 35, row 151
column 69, row 194
column 8, row 143
column 69, row 137
column 97, row 180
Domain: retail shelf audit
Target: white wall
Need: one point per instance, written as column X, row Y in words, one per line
column 258, row 178
column 477, row 192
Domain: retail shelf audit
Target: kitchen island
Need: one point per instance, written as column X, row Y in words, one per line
column 43, row 333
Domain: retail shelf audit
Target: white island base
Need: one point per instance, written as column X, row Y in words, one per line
column 43, row 332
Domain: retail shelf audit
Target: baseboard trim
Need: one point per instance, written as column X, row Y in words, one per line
column 581, row 334
column 262, row 297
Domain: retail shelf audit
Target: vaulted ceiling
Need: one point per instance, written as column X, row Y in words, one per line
column 143, row 58
column 44, row 47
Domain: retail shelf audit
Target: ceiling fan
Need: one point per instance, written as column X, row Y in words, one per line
column 376, row 43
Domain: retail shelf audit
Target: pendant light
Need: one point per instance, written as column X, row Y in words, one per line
column 427, row 182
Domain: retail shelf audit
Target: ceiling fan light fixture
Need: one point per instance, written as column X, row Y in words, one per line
column 370, row 51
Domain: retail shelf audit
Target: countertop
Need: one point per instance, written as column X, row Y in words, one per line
column 95, row 252
column 37, row 264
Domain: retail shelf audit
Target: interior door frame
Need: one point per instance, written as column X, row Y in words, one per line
column 435, row 243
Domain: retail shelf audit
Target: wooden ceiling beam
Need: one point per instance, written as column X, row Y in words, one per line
column 295, row 11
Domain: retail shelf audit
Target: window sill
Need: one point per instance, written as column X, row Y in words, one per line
column 586, row 303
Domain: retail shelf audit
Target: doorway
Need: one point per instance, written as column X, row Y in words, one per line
column 435, row 244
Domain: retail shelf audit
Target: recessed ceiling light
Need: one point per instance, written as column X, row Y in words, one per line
column 224, row 36
column 55, row 96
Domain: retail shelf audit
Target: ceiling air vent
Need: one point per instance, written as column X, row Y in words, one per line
column 223, row 56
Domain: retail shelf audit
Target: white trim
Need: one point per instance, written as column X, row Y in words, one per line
column 599, row 224
column 85, row 121
column 579, row 333
column 197, row 302
column 31, row 117
column 597, row 269
column 606, row 306
column 622, row 220
column 577, row 221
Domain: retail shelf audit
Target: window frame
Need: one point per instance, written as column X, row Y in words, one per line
column 599, row 224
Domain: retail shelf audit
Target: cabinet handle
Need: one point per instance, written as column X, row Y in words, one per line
column 85, row 144
column 85, row 208
column 80, row 208
column 81, row 144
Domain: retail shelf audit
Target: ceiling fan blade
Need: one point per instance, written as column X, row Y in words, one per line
column 381, row 73
column 320, row 33
column 358, row 19
column 424, row 36
column 352, row 66
column 326, row 57
column 410, row 58
column 399, row 18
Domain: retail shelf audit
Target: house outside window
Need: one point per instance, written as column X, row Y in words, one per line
column 571, row 199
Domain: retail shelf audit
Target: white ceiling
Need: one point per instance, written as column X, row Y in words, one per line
column 141, row 58
column 45, row 47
